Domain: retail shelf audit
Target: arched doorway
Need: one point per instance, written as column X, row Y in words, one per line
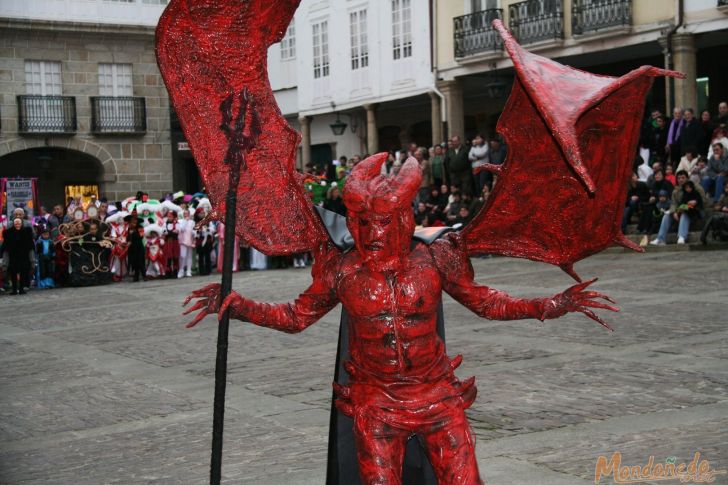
column 55, row 169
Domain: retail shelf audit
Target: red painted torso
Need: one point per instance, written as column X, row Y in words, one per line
column 393, row 316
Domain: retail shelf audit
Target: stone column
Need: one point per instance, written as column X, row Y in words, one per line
column 453, row 92
column 305, row 122
column 372, row 132
column 669, row 102
column 684, row 59
column 436, row 116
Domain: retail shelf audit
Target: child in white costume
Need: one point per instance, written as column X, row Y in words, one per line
column 186, row 228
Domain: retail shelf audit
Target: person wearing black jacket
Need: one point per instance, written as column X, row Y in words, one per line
column 655, row 185
column 334, row 202
column 637, row 194
column 721, row 120
column 458, row 165
column 658, row 140
column 692, row 133
column 18, row 246
column 135, row 256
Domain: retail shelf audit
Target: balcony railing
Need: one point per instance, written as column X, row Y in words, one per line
column 474, row 34
column 118, row 114
column 722, row 3
column 589, row 16
column 536, row 20
column 46, row 114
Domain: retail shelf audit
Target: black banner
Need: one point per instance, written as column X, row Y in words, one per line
column 88, row 264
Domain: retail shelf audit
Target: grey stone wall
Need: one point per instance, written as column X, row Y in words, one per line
column 127, row 163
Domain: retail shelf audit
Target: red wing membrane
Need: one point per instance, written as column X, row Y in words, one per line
column 572, row 138
column 209, row 51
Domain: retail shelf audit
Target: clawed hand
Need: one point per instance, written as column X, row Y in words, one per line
column 575, row 299
column 209, row 303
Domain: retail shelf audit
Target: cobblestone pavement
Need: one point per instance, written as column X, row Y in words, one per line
column 105, row 385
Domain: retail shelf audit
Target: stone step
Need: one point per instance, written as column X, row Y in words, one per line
column 693, row 237
column 671, row 246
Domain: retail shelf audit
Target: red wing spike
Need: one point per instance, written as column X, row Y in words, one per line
column 622, row 240
column 496, row 169
column 568, row 268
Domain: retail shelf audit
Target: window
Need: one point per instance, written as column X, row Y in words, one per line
column 115, row 110
column 320, row 49
column 401, row 29
column 288, row 44
column 44, row 110
column 156, row 2
column 115, row 80
column 359, row 47
column 43, row 78
column 480, row 5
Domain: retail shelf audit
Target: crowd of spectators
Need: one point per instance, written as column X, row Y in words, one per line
column 142, row 238
column 165, row 238
column 679, row 175
column 454, row 187
column 679, row 181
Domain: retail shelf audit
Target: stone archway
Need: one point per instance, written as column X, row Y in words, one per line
column 107, row 163
column 56, row 168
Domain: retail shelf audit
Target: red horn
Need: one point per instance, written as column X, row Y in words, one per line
column 356, row 189
column 408, row 181
column 368, row 168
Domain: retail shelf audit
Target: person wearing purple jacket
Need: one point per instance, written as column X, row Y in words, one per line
column 674, row 131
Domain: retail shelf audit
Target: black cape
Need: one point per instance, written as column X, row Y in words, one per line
column 343, row 466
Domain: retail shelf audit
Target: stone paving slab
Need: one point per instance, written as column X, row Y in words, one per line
column 105, row 385
column 170, row 453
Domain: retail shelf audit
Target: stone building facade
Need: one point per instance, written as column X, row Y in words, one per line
column 83, row 104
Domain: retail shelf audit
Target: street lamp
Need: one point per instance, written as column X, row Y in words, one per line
column 338, row 126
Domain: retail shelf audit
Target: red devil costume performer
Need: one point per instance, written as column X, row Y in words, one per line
column 577, row 131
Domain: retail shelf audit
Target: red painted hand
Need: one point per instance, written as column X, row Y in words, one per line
column 208, row 303
column 575, row 299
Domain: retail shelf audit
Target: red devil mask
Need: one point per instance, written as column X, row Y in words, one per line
column 379, row 210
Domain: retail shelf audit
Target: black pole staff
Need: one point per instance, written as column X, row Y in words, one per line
column 242, row 133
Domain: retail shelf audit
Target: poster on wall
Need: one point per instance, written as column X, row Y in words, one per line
column 18, row 193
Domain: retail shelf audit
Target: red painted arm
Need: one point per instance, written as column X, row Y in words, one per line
column 453, row 263
column 316, row 301
column 458, row 281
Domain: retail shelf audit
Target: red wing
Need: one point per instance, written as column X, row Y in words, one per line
column 572, row 138
column 208, row 50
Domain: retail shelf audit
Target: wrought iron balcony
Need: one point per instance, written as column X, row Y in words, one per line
column 474, row 34
column 118, row 114
column 46, row 114
column 536, row 20
column 590, row 16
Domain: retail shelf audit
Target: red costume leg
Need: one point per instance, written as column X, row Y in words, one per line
column 380, row 449
column 450, row 446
